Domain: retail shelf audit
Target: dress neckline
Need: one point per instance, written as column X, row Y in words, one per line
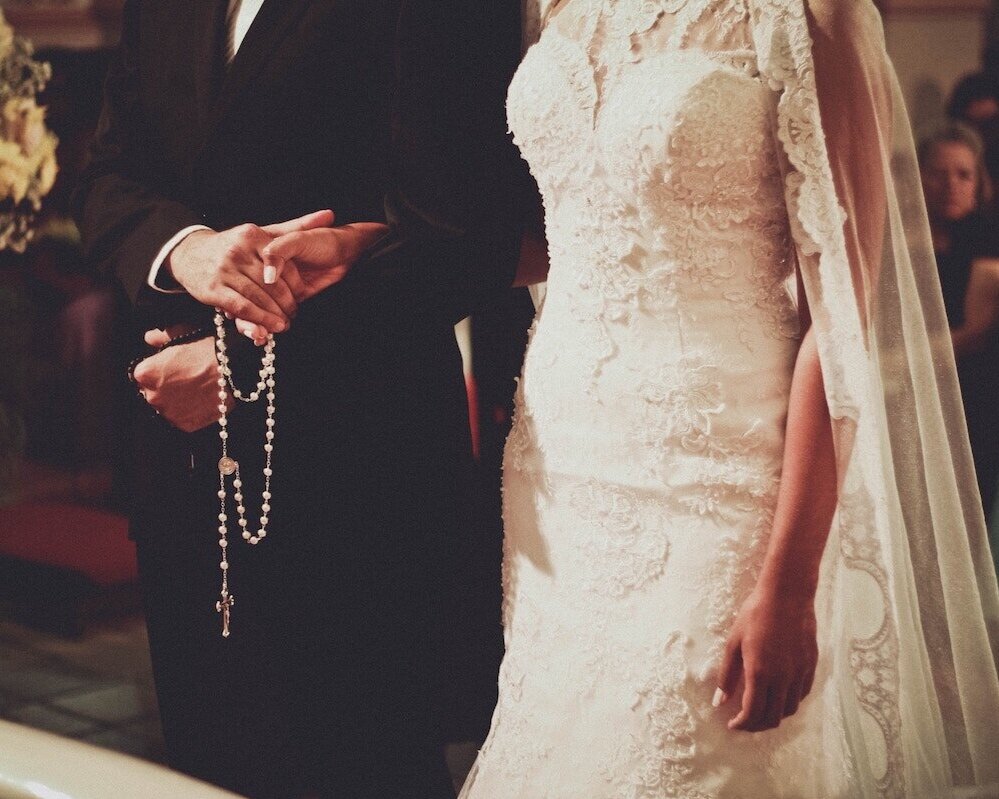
column 620, row 22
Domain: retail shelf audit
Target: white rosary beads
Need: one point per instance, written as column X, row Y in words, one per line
column 230, row 467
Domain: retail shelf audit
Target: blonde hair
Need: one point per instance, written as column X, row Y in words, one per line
column 954, row 132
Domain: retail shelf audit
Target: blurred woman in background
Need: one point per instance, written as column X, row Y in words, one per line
column 958, row 192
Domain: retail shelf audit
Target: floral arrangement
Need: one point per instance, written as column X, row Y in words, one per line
column 27, row 148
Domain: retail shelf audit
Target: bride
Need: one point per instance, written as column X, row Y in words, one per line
column 744, row 552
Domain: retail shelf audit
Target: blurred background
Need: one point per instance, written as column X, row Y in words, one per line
column 72, row 642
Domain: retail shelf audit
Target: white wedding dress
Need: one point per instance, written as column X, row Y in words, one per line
column 642, row 469
column 641, row 474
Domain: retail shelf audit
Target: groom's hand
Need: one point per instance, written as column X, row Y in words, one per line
column 180, row 382
column 226, row 270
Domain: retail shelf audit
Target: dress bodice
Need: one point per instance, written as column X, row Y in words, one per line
column 650, row 135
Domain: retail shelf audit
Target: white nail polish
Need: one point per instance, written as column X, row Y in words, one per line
column 270, row 274
column 719, row 698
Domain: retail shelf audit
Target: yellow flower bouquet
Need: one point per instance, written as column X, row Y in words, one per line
column 27, row 148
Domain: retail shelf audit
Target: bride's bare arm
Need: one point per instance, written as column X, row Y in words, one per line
column 533, row 265
column 773, row 646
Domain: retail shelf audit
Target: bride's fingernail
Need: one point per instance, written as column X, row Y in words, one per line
column 720, row 698
column 270, row 274
column 249, row 335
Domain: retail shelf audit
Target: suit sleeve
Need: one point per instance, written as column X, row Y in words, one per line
column 126, row 205
column 458, row 191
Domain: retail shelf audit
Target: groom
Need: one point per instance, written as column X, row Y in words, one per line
column 220, row 113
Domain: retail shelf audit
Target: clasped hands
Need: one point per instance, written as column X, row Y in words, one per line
column 257, row 275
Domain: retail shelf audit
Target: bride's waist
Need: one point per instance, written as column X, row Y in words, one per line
column 756, row 329
column 657, row 283
column 646, row 430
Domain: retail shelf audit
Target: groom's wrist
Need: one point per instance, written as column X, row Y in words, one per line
column 161, row 277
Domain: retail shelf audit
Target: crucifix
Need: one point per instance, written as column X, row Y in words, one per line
column 224, row 606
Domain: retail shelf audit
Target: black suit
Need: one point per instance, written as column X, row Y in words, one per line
column 381, row 110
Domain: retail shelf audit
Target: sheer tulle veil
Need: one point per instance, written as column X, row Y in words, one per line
column 908, row 590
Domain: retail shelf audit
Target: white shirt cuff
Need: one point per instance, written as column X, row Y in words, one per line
column 164, row 253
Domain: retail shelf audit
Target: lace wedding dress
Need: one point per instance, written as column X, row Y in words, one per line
column 642, row 470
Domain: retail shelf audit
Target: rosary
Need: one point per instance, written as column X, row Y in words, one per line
column 229, row 467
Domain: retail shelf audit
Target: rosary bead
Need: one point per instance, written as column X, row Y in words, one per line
column 229, row 466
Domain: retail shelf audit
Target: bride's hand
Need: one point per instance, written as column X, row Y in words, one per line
column 773, row 647
column 311, row 261
column 314, row 260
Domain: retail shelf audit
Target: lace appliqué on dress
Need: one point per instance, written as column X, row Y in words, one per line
column 662, row 765
column 619, row 551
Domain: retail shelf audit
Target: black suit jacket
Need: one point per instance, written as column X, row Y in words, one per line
column 380, row 109
column 383, row 110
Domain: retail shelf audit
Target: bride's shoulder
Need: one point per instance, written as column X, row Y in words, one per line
column 842, row 21
column 848, row 41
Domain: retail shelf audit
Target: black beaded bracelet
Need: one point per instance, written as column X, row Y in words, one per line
column 183, row 338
